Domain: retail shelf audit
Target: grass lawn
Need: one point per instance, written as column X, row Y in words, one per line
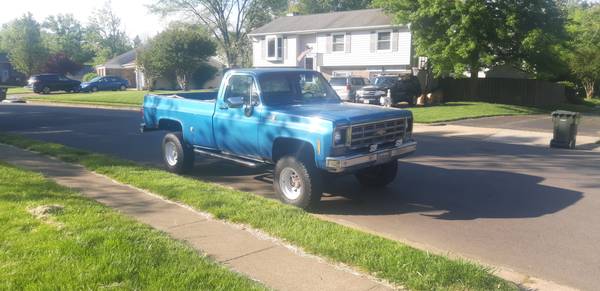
column 85, row 245
column 111, row 98
column 384, row 258
column 463, row 110
column 19, row 90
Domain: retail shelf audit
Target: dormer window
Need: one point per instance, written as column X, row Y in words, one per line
column 274, row 47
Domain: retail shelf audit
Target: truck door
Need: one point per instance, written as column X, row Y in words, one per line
column 236, row 119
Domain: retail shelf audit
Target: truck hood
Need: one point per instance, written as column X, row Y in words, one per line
column 343, row 113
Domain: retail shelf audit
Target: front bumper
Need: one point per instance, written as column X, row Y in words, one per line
column 355, row 162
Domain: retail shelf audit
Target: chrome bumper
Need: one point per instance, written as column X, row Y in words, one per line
column 347, row 163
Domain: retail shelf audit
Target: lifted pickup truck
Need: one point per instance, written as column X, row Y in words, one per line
column 290, row 118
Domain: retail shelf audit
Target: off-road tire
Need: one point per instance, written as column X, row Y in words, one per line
column 185, row 153
column 378, row 176
column 311, row 179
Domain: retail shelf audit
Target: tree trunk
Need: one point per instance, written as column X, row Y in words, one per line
column 589, row 85
column 183, row 82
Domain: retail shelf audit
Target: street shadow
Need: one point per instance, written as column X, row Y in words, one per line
column 450, row 194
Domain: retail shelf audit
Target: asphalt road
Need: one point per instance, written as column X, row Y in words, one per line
column 531, row 209
column 589, row 126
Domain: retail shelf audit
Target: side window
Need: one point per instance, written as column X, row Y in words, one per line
column 242, row 86
column 357, row 82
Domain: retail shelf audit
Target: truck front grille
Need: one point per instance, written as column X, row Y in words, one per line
column 364, row 135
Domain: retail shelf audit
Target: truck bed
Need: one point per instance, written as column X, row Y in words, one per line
column 194, row 111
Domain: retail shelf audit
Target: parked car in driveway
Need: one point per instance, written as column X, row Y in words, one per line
column 401, row 88
column 105, row 83
column 46, row 83
column 346, row 87
column 289, row 118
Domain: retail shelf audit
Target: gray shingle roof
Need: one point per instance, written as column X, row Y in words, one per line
column 122, row 59
column 326, row 21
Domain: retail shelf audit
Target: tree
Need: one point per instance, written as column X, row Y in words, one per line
column 181, row 49
column 105, row 35
column 226, row 20
column 61, row 63
column 65, row 34
column 151, row 63
column 22, row 40
column 468, row 35
column 583, row 55
column 320, row 6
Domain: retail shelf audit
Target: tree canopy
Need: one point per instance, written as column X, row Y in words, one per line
column 105, row 35
column 65, row 34
column 181, row 49
column 228, row 21
column 467, row 35
column 320, row 6
column 583, row 53
column 22, row 40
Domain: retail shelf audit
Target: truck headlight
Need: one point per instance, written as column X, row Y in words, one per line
column 360, row 92
column 339, row 137
column 380, row 93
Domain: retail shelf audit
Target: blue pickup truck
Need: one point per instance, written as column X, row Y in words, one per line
column 289, row 118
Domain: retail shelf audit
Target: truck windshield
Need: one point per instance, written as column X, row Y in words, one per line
column 385, row 81
column 290, row 88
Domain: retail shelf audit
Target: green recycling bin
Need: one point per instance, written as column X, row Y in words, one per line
column 565, row 129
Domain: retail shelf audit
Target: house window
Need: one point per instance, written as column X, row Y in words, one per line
column 384, row 40
column 338, row 42
column 274, row 48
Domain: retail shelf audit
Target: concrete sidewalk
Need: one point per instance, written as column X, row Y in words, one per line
column 249, row 252
column 501, row 135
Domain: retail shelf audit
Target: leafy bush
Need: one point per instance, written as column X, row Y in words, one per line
column 87, row 77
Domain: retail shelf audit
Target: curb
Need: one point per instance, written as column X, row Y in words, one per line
column 81, row 105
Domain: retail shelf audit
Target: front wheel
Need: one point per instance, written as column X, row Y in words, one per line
column 178, row 157
column 123, row 88
column 297, row 182
column 378, row 176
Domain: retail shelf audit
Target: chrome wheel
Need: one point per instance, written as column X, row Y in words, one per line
column 46, row 90
column 171, row 155
column 290, row 184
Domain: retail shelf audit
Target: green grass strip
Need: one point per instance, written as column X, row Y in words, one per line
column 384, row 258
column 87, row 246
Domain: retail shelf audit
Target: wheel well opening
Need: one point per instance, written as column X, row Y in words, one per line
column 289, row 146
column 169, row 125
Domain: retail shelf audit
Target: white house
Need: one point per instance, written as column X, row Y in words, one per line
column 361, row 42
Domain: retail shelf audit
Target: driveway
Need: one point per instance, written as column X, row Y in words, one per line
column 531, row 209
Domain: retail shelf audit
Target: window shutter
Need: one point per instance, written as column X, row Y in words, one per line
column 329, row 43
column 263, row 49
column 395, row 40
column 284, row 48
column 348, row 42
column 373, row 41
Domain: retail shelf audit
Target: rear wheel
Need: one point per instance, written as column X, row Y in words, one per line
column 297, row 182
column 123, row 88
column 378, row 176
column 178, row 157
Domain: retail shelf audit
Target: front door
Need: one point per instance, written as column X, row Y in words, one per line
column 236, row 127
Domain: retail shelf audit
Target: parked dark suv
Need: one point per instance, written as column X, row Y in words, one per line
column 46, row 83
column 105, row 83
column 404, row 88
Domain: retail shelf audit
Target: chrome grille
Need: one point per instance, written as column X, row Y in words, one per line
column 364, row 135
